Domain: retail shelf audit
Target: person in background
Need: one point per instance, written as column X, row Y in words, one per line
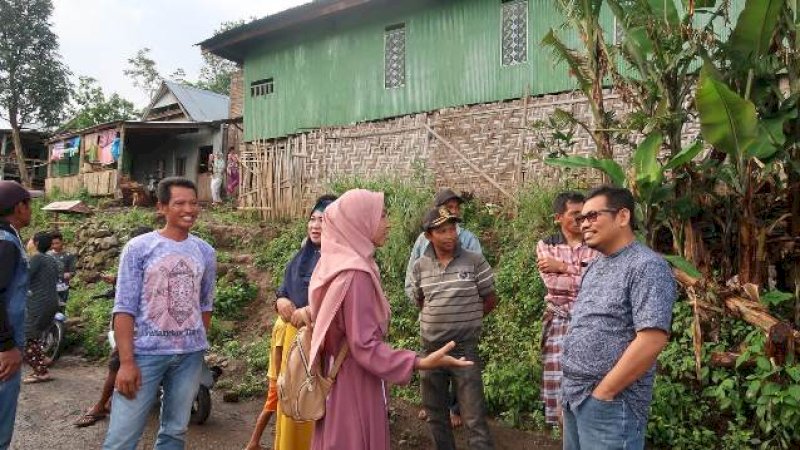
column 233, row 173
column 100, row 410
column 216, row 164
column 42, row 305
column 291, row 303
column 15, row 214
column 349, row 307
column 454, row 289
column 620, row 323
column 162, row 314
column 68, row 262
column 445, row 197
column 561, row 259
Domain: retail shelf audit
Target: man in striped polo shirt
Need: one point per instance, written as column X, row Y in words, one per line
column 454, row 289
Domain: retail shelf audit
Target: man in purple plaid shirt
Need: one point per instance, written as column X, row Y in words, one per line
column 561, row 259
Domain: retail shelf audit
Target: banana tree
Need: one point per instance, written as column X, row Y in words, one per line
column 744, row 113
column 589, row 66
column 646, row 177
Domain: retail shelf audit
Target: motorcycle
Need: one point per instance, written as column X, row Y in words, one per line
column 201, row 407
column 54, row 336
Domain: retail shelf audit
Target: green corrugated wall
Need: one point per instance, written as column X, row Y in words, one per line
column 453, row 57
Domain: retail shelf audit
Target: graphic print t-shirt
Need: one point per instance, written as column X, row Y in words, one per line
column 166, row 285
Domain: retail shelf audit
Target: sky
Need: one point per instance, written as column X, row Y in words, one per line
column 97, row 37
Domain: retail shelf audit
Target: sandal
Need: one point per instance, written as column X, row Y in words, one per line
column 89, row 419
column 32, row 379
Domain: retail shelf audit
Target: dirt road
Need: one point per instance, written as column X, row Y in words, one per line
column 46, row 412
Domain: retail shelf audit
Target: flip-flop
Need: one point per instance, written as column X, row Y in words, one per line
column 89, row 419
column 32, row 379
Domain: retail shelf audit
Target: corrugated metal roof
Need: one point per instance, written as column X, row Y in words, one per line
column 201, row 105
column 231, row 44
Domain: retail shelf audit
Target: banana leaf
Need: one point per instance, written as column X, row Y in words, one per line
column 684, row 265
column 727, row 121
column 607, row 166
column 699, row 4
column 645, row 160
column 755, row 27
column 684, row 156
column 665, row 10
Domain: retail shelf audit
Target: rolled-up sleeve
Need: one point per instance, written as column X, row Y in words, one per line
column 130, row 278
column 209, row 281
column 484, row 277
column 653, row 294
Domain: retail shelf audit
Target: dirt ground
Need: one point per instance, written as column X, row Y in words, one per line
column 46, row 412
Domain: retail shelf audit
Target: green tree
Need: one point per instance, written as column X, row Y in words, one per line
column 589, row 65
column 143, row 71
column 216, row 73
column 34, row 83
column 91, row 106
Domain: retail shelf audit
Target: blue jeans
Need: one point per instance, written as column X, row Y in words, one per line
column 602, row 425
column 9, row 393
column 180, row 377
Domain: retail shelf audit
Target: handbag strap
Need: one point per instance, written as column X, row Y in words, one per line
column 337, row 363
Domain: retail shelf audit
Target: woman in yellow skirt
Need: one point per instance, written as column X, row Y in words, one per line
column 292, row 306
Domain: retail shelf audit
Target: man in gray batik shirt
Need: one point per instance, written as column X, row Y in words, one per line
column 620, row 324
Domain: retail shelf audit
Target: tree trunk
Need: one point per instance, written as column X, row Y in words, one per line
column 751, row 235
column 22, row 167
column 601, row 126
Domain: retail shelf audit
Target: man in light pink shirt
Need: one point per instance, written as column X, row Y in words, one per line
column 561, row 259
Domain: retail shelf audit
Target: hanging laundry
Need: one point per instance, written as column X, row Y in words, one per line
column 92, row 153
column 72, row 146
column 57, row 151
column 115, row 149
column 105, row 141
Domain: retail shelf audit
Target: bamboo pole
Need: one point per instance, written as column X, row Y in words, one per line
column 471, row 164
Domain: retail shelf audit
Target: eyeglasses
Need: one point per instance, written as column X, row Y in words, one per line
column 592, row 216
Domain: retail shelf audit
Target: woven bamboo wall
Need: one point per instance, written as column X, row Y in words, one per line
column 489, row 150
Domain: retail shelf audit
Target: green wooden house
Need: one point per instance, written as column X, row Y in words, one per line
column 338, row 62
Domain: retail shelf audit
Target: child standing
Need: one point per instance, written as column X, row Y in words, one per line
column 271, row 404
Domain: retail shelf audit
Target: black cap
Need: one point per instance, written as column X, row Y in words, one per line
column 444, row 196
column 12, row 193
column 436, row 217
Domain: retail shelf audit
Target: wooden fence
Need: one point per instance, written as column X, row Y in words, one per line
column 101, row 183
column 272, row 177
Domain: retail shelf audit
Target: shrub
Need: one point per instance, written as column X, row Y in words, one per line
column 95, row 316
column 232, row 296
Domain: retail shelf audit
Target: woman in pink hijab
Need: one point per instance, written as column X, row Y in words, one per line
column 349, row 307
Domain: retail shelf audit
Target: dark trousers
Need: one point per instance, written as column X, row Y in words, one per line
column 436, row 398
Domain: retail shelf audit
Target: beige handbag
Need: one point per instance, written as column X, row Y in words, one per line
column 302, row 390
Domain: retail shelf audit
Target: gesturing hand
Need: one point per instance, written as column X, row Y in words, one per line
column 440, row 358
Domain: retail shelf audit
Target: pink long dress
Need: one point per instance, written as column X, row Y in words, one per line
column 356, row 416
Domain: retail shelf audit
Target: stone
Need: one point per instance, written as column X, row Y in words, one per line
column 230, row 397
